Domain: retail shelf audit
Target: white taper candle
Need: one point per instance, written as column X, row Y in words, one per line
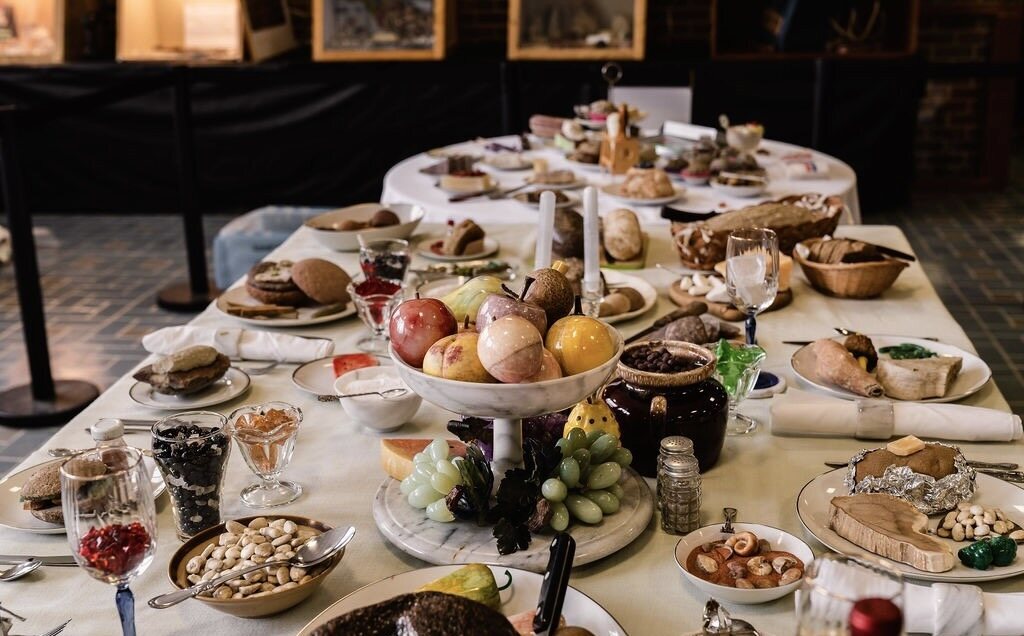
column 542, row 257
column 591, row 241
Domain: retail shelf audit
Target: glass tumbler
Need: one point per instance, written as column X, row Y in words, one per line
column 384, row 258
column 833, row 583
column 375, row 299
column 266, row 434
column 191, row 449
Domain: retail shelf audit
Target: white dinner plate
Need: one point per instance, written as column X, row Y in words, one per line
column 575, row 185
column 615, row 278
column 317, row 376
column 580, row 165
column 740, row 191
column 973, row 375
column 524, row 164
column 490, row 248
column 233, row 383
column 568, row 203
column 239, row 296
column 12, row 515
column 614, row 190
column 579, row 609
column 812, row 506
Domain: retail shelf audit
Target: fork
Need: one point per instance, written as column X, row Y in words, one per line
column 57, row 630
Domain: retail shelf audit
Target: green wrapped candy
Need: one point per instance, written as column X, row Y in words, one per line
column 978, row 555
column 1004, row 550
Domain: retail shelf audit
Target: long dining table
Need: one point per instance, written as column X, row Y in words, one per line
column 338, row 465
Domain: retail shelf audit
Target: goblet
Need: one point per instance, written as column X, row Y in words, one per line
column 266, row 434
column 832, row 585
column 737, row 370
column 110, row 519
column 375, row 299
column 752, row 273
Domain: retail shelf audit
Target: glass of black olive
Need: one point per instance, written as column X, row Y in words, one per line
column 384, row 258
column 191, row 449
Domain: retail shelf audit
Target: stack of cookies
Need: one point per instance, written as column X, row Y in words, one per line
column 282, row 286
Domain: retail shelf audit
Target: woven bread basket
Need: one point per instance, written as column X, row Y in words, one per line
column 702, row 244
column 849, row 280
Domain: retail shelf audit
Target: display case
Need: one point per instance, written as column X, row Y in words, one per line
column 32, row 31
column 576, row 29
column 194, row 31
column 369, row 30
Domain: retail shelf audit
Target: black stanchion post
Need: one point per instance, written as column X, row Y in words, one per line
column 196, row 294
column 42, row 402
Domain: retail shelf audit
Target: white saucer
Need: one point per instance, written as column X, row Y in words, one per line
column 490, row 248
column 233, row 384
column 614, row 190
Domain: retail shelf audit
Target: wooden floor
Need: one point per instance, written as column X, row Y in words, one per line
column 100, row 274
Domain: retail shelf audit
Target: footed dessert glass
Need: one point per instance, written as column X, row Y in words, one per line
column 737, row 370
column 266, row 434
column 375, row 299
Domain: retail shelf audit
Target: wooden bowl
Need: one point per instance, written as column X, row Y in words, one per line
column 849, row 280
column 258, row 606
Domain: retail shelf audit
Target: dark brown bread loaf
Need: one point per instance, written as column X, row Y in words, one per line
column 420, row 613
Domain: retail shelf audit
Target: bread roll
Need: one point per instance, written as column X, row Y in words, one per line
column 622, row 237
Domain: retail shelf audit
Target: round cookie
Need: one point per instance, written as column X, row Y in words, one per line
column 270, row 297
column 321, row 280
column 272, row 283
column 636, row 299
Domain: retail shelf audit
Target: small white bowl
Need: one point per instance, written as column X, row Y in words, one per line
column 378, row 414
column 779, row 539
column 348, row 240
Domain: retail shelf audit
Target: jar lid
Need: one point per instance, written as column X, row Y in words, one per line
column 677, row 444
column 109, row 428
column 680, row 464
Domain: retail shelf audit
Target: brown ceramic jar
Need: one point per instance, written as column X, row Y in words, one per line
column 649, row 406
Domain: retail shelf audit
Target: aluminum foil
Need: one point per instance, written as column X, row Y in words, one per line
column 927, row 494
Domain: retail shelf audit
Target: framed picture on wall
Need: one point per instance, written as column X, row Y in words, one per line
column 576, row 29
column 366, row 30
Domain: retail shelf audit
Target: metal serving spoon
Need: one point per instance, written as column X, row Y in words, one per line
column 390, row 393
column 315, row 551
column 68, row 452
column 19, row 570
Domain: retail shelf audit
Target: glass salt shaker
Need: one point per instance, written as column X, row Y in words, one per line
column 679, row 486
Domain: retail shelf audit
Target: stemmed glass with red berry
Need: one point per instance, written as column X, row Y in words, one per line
column 110, row 519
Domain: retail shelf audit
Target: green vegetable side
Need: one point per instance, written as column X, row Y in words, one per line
column 907, row 351
column 984, row 553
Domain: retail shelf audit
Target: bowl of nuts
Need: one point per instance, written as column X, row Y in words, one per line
column 753, row 564
column 244, row 542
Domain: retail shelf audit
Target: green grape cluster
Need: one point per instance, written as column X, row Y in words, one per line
column 587, row 483
column 433, row 476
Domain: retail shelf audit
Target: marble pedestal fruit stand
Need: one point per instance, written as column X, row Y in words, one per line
column 507, row 404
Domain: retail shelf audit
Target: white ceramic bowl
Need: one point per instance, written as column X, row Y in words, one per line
column 376, row 413
column 779, row 540
column 508, row 401
column 348, row 241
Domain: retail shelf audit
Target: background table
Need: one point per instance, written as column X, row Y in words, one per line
column 338, row 465
column 405, row 184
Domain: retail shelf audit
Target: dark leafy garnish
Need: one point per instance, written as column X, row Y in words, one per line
column 907, row 351
column 511, row 537
column 471, row 500
column 519, row 492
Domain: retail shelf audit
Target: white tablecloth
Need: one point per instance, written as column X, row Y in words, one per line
column 338, row 465
column 405, row 184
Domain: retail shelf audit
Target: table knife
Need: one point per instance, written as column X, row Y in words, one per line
column 665, row 320
column 556, row 581
column 65, row 560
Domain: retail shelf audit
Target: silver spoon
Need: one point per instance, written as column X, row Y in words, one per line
column 315, row 551
column 390, row 393
column 19, row 570
column 68, row 452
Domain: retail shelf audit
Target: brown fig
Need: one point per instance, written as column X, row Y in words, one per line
column 551, row 291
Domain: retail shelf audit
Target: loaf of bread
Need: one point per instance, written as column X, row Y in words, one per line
column 935, row 460
column 622, row 237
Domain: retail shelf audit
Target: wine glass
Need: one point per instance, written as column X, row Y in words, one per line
column 375, row 300
column 265, row 434
column 752, row 273
column 737, row 369
column 110, row 519
column 833, row 583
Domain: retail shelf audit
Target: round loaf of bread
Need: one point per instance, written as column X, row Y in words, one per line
column 321, row 280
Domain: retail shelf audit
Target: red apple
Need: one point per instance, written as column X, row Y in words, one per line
column 416, row 325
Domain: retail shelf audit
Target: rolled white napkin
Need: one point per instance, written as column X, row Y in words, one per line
column 823, row 417
column 248, row 344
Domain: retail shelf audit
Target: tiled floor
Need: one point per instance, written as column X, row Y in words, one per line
column 100, row 274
